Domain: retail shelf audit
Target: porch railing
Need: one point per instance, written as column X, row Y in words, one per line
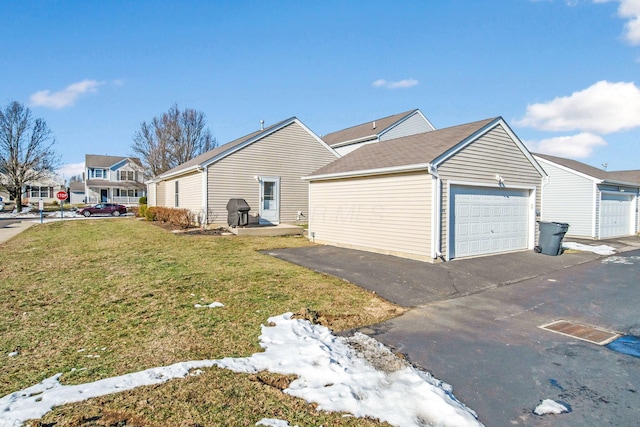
column 129, row 201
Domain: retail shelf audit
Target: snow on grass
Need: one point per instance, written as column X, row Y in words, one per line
column 212, row 305
column 549, row 406
column 335, row 372
column 600, row 249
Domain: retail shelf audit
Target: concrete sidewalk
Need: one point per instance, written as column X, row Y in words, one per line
column 9, row 228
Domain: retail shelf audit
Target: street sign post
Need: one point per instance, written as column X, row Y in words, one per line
column 62, row 196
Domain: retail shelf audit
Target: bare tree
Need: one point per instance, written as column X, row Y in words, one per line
column 172, row 139
column 26, row 150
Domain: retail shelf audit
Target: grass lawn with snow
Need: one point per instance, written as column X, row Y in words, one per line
column 95, row 299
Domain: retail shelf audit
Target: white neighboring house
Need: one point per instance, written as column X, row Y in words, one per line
column 111, row 179
column 596, row 204
column 403, row 124
column 45, row 189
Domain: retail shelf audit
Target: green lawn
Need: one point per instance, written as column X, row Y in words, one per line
column 125, row 290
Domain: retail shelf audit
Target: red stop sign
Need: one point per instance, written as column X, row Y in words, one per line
column 61, row 195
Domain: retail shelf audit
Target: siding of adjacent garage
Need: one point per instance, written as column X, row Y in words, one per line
column 414, row 124
column 389, row 214
column 494, row 153
column 189, row 192
column 151, row 194
column 289, row 153
column 161, row 194
column 569, row 197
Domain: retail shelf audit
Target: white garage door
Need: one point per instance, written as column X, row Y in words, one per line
column 488, row 220
column 616, row 215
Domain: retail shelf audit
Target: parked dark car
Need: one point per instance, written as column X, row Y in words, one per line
column 103, row 209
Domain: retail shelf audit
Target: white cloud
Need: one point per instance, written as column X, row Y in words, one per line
column 630, row 10
column 400, row 84
column 578, row 146
column 604, row 107
column 65, row 97
column 71, row 169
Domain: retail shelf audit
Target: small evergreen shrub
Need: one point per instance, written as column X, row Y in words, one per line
column 142, row 200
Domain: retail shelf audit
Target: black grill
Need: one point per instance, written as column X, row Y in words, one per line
column 238, row 213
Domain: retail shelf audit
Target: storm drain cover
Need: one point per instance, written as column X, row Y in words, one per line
column 587, row 333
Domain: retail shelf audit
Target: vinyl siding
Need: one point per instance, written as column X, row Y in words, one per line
column 289, row 154
column 151, row 194
column 494, row 153
column 569, row 197
column 189, row 192
column 414, row 124
column 161, row 194
column 388, row 214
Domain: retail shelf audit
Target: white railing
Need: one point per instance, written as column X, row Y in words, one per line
column 130, row 201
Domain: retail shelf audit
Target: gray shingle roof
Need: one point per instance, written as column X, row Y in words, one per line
column 364, row 130
column 211, row 154
column 630, row 176
column 418, row 149
column 98, row 161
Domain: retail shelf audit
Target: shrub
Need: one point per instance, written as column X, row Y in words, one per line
column 150, row 213
column 142, row 200
column 182, row 218
column 142, row 210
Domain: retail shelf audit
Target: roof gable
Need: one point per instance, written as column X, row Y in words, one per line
column 222, row 151
column 600, row 175
column 369, row 130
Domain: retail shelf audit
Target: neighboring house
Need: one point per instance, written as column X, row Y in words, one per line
column 45, row 189
column 111, row 179
column 398, row 125
column 265, row 168
column 595, row 203
column 462, row 191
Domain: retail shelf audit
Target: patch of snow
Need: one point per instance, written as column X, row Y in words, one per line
column 332, row 371
column 600, row 249
column 13, row 354
column 212, row 305
column 273, row 422
column 549, row 406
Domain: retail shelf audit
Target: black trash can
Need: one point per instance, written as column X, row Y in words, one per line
column 237, row 212
column 551, row 235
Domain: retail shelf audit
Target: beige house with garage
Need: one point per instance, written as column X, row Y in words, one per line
column 462, row 191
column 597, row 204
column 265, row 168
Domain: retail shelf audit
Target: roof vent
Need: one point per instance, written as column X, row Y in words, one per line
column 261, row 124
column 373, row 125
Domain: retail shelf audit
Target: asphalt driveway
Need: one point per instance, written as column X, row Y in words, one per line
column 475, row 325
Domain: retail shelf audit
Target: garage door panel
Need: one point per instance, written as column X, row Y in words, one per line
column 616, row 215
column 502, row 225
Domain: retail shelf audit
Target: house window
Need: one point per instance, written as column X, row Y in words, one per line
column 176, row 192
column 127, row 176
column 98, row 173
column 40, row 192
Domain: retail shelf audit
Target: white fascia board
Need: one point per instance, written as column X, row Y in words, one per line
column 569, row 170
column 370, row 172
column 373, row 138
column 178, row 173
column 498, row 121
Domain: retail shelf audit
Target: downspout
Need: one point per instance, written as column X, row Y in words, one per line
column 204, row 217
column 436, row 214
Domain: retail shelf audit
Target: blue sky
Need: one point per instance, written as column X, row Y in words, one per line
column 564, row 74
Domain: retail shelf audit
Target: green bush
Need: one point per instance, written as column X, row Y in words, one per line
column 150, row 213
column 142, row 210
column 142, row 200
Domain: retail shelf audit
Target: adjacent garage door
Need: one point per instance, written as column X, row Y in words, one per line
column 616, row 215
column 488, row 220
